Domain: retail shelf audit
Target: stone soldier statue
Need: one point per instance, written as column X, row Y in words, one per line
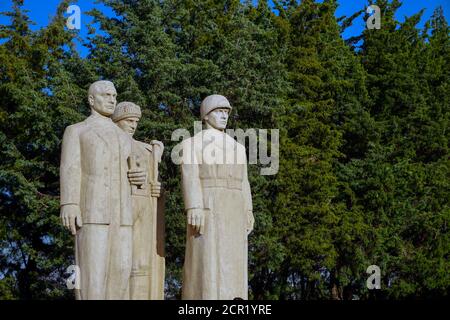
column 218, row 203
column 147, row 274
column 96, row 197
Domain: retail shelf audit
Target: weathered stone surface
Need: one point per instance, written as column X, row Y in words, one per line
column 218, row 203
column 96, row 198
column 148, row 262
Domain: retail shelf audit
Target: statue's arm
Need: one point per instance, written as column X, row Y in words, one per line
column 70, row 168
column 248, row 199
column 70, row 180
column 191, row 186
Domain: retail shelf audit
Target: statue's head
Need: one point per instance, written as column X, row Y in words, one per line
column 127, row 116
column 215, row 110
column 102, row 97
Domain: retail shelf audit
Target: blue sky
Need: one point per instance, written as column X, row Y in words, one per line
column 42, row 11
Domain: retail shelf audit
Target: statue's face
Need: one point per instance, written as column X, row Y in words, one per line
column 218, row 118
column 128, row 125
column 104, row 100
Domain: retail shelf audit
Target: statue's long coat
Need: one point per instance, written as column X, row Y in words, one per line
column 214, row 178
column 93, row 175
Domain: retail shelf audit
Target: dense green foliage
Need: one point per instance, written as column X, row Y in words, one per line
column 364, row 172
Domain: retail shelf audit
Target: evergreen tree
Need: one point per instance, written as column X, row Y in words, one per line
column 364, row 155
column 403, row 182
column 168, row 57
column 304, row 211
column 35, row 249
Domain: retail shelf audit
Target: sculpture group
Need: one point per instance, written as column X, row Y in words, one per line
column 111, row 201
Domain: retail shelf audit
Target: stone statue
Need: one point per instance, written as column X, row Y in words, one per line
column 148, row 265
column 96, row 197
column 218, row 203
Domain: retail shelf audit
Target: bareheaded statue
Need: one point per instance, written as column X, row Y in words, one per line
column 96, row 202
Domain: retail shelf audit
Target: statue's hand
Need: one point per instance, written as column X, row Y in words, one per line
column 156, row 189
column 71, row 217
column 196, row 218
column 250, row 222
column 137, row 177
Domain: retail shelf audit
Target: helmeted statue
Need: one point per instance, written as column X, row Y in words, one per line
column 218, row 204
column 96, row 197
column 148, row 263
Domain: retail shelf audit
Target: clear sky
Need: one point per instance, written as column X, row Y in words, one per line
column 41, row 11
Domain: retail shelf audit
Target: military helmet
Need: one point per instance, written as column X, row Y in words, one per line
column 213, row 102
column 126, row 109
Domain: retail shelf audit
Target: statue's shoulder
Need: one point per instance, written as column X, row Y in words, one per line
column 144, row 145
column 75, row 128
column 233, row 141
column 240, row 145
column 240, row 150
column 199, row 135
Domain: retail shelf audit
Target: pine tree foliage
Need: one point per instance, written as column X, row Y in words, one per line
column 364, row 142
